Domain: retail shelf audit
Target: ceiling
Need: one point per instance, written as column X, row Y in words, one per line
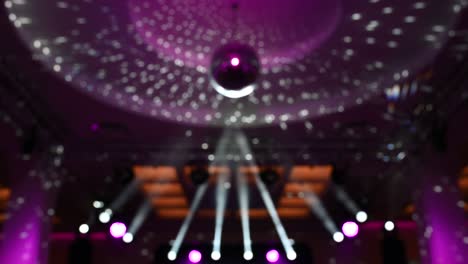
column 153, row 57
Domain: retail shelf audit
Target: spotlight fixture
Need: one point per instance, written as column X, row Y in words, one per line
column 361, row 216
column 350, row 229
column 84, row 229
column 172, row 255
column 389, row 226
column 215, row 255
column 105, row 216
column 291, row 255
column 338, row 237
column 269, row 176
column 195, row 256
column 199, row 176
column 128, row 238
column 234, row 69
column 248, row 255
column 98, row 204
column 272, row 256
column 118, row 230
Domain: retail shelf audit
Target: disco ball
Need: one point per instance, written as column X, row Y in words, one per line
column 234, row 70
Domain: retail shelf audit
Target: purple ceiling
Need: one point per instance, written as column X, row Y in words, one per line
column 152, row 57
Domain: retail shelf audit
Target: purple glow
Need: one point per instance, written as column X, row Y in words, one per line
column 272, row 256
column 350, row 229
column 235, row 61
column 195, row 256
column 94, row 127
column 118, row 230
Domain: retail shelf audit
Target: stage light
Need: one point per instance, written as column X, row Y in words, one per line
column 291, row 255
column 221, row 200
column 350, row 229
column 138, row 220
column 269, row 176
column 118, row 230
column 267, row 200
column 272, row 256
column 105, row 216
column 248, row 255
column 172, row 255
column 98, row 204
column 195, row 256
column 243, row 196
column 315, row 204
column 128, row 238
column 84, row 229
column 338, row 237
column 215, row 255
column 389, row 226
column 199, row 176
column 361, row 216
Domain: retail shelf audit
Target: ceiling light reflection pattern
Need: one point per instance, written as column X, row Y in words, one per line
column 152, row 57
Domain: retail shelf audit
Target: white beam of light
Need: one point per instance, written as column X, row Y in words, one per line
column 140, row 217
column 243, row 197
column 172, row 255
column 120, row 201
column 290, row 252
column 245, row 151
column 221, row 199
column 319, row 210
column 350, row 205
column 221, row 193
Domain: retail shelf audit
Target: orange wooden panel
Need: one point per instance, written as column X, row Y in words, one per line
column 218, row 170
column 249, row 169
column 463, row 183
column 182, row 213
column 160, row 173
column 294, row 188
column 311, row 173
column 293, row 213
column 3, row 217
column 256, row 169
column 163, row 189
column 5, row 194
column 285, row 213
column 292, row 202
column 258, row 213
column 211, row 213
column 169, row 202
column 173, row 213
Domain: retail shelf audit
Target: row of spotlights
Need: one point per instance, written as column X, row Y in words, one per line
column 195, row 256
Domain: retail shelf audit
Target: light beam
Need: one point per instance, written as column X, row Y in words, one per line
column 172, row 255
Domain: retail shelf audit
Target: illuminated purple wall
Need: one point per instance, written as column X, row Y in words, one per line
column 25, row 235
column 441, row 218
